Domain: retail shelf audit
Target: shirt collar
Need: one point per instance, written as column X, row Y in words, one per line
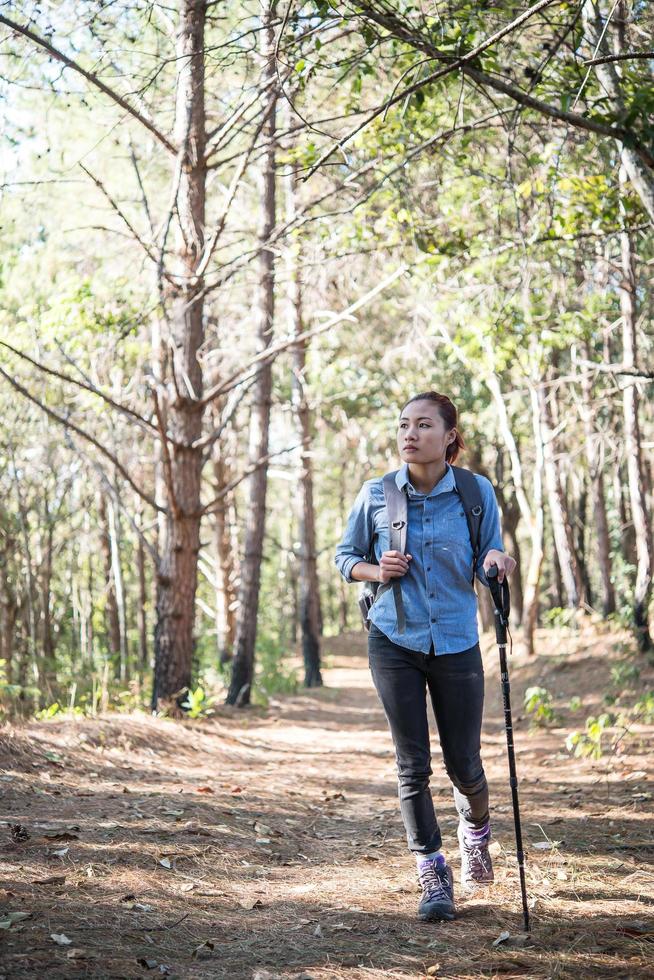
column 444, row 485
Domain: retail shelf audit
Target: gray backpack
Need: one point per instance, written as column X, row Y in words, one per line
column 397, row 510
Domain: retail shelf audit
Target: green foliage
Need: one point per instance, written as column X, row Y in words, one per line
column 643, row 709
column 624, row 674
column 198, row 704
column 559, row 616
column 538, row 704
column 588, row 743
column 575, row 703
column 50, row 712
column 272, row 675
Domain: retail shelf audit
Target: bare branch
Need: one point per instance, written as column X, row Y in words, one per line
column 90, row 77
column 130, row 413
column 83, row 435
column 631, row 56
column 98, row 183
column 271, row 352
column 227, row 489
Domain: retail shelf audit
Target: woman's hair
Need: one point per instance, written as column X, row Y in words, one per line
column 448, row 413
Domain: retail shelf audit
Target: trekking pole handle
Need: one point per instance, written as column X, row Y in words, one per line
column 501, row 595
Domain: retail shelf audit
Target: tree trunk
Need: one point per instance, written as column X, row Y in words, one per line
column 246, row 630
column 598, row 498
column 633, row 451
column 532, row 514
column 532, row 584
column 181, row 416
column 226, row 570
column 112, row 622
column 309, row 584
column 142, row 615
column 561, row 527
column 119, row 587
column 580, row 525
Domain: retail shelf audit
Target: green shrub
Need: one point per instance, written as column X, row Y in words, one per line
column 588, row 744
column 624, row 673
column 559, row 616
column 197, row 704
column 538, row 704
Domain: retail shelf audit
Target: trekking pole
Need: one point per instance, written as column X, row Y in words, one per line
column 501, row 601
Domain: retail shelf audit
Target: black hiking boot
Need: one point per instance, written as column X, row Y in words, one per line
column 437, row 883
column 476, row 864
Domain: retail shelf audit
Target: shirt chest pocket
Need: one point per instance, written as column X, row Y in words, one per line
column 451, row 531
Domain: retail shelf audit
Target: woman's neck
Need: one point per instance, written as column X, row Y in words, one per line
column 425, row 476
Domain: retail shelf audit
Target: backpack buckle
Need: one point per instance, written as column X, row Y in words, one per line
column 476, row 511
column 398, row 525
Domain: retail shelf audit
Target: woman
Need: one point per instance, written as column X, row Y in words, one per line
column 438, row 649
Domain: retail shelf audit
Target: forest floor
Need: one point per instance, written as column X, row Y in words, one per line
column 267, row 843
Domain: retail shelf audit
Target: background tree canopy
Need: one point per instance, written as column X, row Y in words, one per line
column 234, row 239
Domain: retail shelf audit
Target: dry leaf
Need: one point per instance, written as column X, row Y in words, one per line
column 76, row 954
column 165, row 863
column 432, row 971
column 236, row 789
column 61, row 852
column 64, row 835
column 502, row 938
column 494, row 848
column 546, row 845
column 204, row 789
column 8, row 919
column 318, row 931
column 52, row 880
column 262, row 828
column 203, row 949
column 187, row 886
column 250, row 903
column 60, row 939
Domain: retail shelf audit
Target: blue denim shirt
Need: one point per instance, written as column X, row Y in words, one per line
column 439, row 599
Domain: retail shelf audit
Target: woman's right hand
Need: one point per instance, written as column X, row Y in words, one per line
column 393, row 564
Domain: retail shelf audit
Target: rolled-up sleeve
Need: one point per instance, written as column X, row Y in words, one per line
column 490, row 534
column 357, row 542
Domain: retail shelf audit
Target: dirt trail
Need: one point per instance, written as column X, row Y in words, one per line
column 269, row 844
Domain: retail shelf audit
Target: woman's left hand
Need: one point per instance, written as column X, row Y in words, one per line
column 505, row 564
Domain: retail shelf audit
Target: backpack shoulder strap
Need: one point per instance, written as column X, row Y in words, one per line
column 471, row 499
column 397, row 512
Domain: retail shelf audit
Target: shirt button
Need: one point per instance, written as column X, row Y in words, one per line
column 433, row 620
column 427, row 543
column 429, row 568
column 431, row 595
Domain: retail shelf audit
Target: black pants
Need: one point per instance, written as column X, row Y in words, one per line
column 456, row 685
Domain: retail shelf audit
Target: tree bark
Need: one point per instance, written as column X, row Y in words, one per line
column 598, row 497
column 309, row 584
column 633, row 450
column 226, row 544
column 111, row 618
column 536, row 528
column 561, row 525
column 240, row 687
column 181, row 416
column 142, row 614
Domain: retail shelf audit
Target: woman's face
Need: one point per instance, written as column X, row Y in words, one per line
column 422, row 436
